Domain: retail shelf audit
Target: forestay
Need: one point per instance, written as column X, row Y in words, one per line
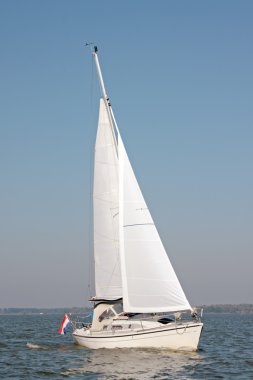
column 148, row 278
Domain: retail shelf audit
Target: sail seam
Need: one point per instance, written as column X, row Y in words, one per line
column 138, row 224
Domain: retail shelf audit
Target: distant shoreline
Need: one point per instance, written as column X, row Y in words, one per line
column 42, row 311
column 219, row 308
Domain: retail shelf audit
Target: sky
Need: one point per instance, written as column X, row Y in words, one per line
column 179, row 75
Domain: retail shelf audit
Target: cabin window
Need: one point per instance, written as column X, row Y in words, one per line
column 117, row 327
column 118, row 307
column 108, row 313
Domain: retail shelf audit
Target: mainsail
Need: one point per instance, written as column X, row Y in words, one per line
column 106, row 210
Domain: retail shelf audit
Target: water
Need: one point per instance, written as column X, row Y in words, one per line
column 30, row 348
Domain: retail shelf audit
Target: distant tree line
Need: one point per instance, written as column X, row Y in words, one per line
column 242, row 308
column 36, row 311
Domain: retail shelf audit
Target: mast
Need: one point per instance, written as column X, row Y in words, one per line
column 105, row 97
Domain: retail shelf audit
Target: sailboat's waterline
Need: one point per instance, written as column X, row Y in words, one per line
column 138, row 298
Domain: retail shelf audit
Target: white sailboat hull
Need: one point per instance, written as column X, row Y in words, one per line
column 183, row 337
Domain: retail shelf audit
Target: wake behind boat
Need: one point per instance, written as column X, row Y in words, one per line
column 139, row 301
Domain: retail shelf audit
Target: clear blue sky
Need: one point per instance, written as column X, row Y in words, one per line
column 179, row 74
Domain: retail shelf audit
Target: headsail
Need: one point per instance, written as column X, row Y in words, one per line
column 148, row 278
column 105, row 208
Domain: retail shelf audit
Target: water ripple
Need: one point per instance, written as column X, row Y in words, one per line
column 31, row 349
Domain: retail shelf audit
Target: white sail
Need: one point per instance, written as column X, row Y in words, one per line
column 148, row 278
column 105, row 208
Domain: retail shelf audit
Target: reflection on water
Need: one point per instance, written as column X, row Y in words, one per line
column 135, row 364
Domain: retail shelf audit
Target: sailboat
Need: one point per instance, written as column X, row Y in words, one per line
column 138, row 299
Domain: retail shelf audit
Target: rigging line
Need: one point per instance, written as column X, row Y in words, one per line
column 91, row 86
column 105, row 96
column 90, row 238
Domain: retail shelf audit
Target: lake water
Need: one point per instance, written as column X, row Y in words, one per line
column 30, row 348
